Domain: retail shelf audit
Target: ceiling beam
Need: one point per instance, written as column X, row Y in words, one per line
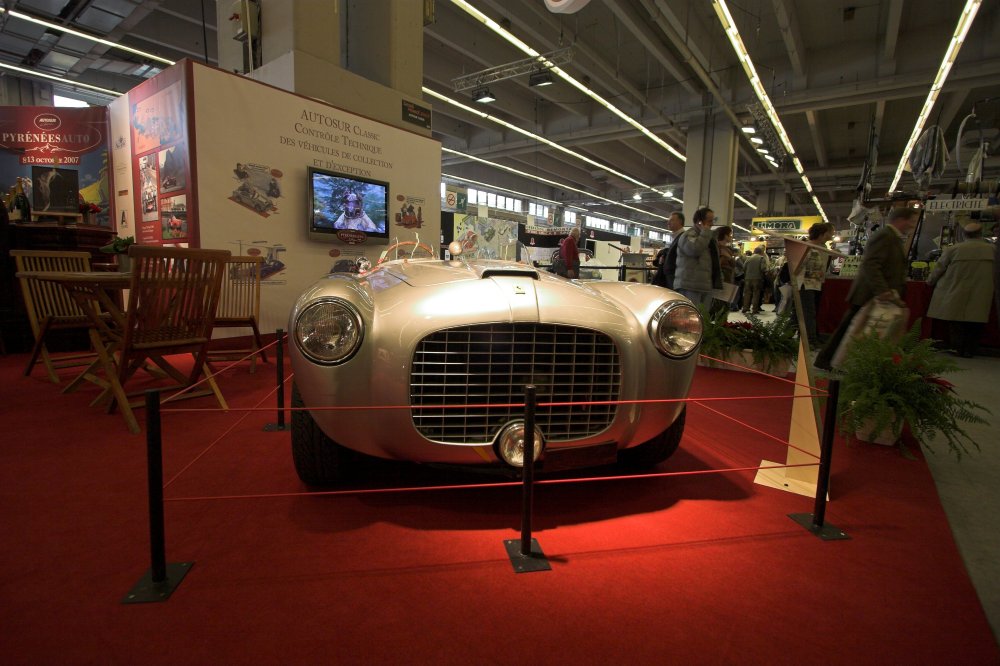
column 639, row 27
column 788, row 24
column 892, row 29
column 817, row 137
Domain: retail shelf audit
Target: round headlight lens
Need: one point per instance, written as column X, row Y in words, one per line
column 329, row 331
column 676, row 329
column 510, row 444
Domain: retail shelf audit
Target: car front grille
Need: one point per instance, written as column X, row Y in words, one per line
column 489, row 364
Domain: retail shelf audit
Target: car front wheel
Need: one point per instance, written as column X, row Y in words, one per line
column 319, row 461
column 651, row 453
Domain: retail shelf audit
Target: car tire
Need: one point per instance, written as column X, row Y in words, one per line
column 651, row 453
column 319, row 461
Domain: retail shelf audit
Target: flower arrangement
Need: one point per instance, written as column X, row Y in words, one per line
column 771, row 344
column 887, row 382
column 119, row 245
column 88, row 208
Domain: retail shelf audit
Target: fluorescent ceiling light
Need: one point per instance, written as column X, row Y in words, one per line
column 524, row 48
column 557, row 203
column 737, row 195
column 757, row 140
column 68, row 82
column 553, row 183
column 749, row 129
column 669, row 193
column 954, row 46
column 536, row 137
column 763, row 151
column 83, row 35
column 637, row 197
column 729, row 26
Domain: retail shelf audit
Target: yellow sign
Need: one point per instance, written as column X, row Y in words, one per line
column 784, row 225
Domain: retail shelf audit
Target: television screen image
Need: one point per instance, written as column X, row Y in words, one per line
column 339, row 202
column 55, row 190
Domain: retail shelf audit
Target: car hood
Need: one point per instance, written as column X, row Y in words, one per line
column 494, row 291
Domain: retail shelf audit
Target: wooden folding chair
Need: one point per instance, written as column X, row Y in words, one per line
column 239, row 306
column 50, row 308
column 173, row 296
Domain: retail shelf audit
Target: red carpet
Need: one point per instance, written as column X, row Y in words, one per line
column 704, row 569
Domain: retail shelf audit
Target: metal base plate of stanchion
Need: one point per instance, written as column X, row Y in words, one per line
column 533, row 561
column 146, row 591
column 827, row 532
column 276, row 427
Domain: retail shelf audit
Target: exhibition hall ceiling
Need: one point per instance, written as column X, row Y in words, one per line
column 832, row 69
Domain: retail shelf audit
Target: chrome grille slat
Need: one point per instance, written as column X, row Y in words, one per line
column 491, row 363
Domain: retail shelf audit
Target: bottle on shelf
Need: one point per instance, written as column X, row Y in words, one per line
column 20, row 207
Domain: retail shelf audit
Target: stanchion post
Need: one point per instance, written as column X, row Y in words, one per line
column 162, row 578
column 279, row 370
column 525, row 553
column 815, row 522
column 528, row 470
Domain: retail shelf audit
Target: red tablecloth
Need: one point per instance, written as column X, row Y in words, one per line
column 918, row 296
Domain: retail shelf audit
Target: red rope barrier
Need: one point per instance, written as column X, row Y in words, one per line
column 219, row 438
column 218, row 372
column 758, row 431
column 472, row 486
column 758, row 372
column 495, row 405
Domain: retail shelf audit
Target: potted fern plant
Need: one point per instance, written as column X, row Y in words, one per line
column 765, row 346
column 886, row 383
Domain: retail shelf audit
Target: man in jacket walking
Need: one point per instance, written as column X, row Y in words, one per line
column 698, row 271
column 963, row 289
column 753, row 280
column 881, row 275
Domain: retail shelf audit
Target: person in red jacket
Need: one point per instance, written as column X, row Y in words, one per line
column 571, row 253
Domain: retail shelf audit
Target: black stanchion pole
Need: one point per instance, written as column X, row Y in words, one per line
column 154, row 472
column 815, row 522
column 525, row 553
column 162, row 578
column 279, row 370
column 528, row 470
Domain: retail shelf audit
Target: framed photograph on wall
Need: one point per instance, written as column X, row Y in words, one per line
column 55, row 190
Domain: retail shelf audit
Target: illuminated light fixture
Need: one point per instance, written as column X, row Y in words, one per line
column 68, row 82
column 729, row 26
column 539, row 79
column 954, row 46
column 750, row 129
column 636, row 197
column 483, row 95
column 669, row 194
column 524, row 48
column 757, row 140
column 739, row 196
column 837, row 239
column 763, row 151
column 538, row 198
column 83, row 35
column 540, row 139
column 739, row 227
column 554, row 183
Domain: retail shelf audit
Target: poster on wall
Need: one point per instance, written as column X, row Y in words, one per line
column 486, row 238
column 255, row 191
column 159, row 154
column 61, row 157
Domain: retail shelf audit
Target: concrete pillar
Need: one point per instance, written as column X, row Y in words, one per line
column 710, row 172
column 383, row 41
column 775, row 203
column 365, row 56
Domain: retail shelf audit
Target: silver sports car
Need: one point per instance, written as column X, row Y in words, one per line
column 444, row 348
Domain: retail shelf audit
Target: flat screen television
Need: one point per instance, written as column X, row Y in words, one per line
column 340, row 206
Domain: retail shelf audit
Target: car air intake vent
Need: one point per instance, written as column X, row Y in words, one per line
column 489, row 364
column 509, row 272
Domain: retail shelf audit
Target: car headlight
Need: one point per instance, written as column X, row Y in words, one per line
column 329, row 331
column 675, row 329
column 510, row 444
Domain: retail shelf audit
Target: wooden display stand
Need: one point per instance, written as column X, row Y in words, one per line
column 806, row 423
